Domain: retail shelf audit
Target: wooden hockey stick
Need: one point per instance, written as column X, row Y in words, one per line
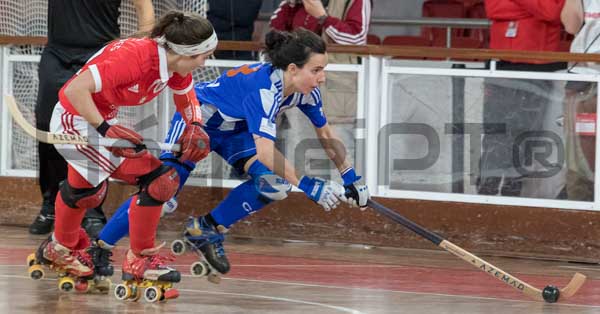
column 549, row 294
column 60, row 138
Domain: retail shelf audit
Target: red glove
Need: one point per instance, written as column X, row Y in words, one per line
column 195, row 144
column 121, row 132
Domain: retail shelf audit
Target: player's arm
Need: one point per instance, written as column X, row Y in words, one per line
column 79, row 92
column 145, row 14
column 195, row 144
column 327, row 194
column 273, row 159
column 333, row 146
column 571, row 16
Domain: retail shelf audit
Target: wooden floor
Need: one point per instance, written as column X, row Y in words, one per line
column 300, row 277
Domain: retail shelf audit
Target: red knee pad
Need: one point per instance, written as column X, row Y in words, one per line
column 164, row 186
column 83, row 198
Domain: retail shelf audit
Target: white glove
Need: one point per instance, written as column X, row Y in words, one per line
column 328, row 194
column 357, row 195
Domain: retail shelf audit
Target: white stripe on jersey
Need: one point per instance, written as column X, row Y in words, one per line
column 97, row 79
column 183, row 91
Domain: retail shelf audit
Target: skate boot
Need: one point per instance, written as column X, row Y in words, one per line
column 42, row 224
column 147, row 271
column 205, row 240
column 101, row 253
column 93, row 222
column 73, row 266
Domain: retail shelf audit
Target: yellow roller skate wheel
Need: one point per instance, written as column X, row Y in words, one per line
column 31, row 259
column 36, row 272
column 152, row 294
column 122, row 292
column 66, row 284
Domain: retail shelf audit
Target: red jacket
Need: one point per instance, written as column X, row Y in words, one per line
column 351, row 31
column 537, row 23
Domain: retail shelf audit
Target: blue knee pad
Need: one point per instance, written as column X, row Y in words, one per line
column 263, row 188
column 118, row 225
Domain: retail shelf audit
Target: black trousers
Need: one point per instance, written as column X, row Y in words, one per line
column 54, row 71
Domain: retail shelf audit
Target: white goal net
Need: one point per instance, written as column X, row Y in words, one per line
column 28, row 18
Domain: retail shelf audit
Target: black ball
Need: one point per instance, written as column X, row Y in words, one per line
column 550, row 294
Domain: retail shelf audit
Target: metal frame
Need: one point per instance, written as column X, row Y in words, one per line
column 385, row 191
column 373, row 75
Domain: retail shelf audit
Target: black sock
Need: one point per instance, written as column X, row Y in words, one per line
column 209, row 218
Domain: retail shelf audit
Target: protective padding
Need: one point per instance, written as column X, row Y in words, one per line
column 272, row 186
column 268, row 184
column 160, row 186
column 83, row 198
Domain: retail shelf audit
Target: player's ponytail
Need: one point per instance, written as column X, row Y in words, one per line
column 284, row 48
column 182, row 28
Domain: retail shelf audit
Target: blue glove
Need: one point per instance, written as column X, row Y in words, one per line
column 328, row 194
column 357, row 194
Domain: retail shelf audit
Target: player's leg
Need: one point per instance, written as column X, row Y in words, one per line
column 85, row 187
column 207, row 232
column 64, row 249
column 118, row 226
column 158, row 183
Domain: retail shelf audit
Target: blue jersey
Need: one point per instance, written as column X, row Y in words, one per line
column 250, row 97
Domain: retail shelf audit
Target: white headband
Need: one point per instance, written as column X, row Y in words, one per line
column 191, row 50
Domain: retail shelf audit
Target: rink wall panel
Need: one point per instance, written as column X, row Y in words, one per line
column 538, row 232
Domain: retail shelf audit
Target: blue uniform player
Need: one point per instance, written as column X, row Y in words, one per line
column 239, row 111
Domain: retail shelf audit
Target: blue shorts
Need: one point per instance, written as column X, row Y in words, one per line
column 231, row 145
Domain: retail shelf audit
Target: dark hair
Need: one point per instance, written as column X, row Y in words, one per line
column 183, row 28
column 284, row 48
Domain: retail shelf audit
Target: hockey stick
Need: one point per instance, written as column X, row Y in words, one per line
column 549, row 294
column 60, row 138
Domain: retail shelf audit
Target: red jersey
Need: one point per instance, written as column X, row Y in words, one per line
column 525, row 24
column 128, row 72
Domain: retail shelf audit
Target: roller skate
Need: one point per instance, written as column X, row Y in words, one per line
column 206, row 240
column 101, row 253
column 74, row 267
column 149, row 273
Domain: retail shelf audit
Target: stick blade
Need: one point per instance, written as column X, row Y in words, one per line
column 573, row 286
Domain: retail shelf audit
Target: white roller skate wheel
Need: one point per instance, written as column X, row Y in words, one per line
column 199, row 269
column 152, row 294
column 178, row 247
column 122, row 292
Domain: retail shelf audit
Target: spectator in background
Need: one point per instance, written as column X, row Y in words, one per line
column 234, row 20
column 344, row 22
column 76, row 30
column 582, row 19
column 517, row 105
